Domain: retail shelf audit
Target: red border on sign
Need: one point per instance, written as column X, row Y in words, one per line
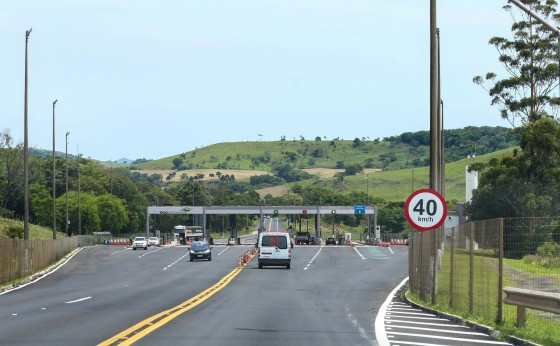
column 407, row 204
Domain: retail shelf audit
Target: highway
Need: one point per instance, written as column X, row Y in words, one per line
column 330, row 296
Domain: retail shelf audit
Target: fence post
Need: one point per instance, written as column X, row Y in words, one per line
column 452, row 267
column 422, row 267
column 500, row 319
column 434, row 265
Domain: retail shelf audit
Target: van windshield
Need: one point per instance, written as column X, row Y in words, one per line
column 276, row 241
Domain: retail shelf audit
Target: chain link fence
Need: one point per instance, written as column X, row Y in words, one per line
column 466, row 268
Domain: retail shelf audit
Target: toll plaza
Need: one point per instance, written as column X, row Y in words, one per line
column 315, row 211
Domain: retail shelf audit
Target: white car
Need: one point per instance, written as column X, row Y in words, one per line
column 153, row 241
column 140, row 242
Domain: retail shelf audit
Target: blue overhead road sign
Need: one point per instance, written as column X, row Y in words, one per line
column 359, row 209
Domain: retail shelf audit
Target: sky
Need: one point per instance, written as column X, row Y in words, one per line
column 151, row 79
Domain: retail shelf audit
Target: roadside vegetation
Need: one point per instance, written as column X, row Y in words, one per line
column 114, row 196
column 14, row 229
column 543, row 266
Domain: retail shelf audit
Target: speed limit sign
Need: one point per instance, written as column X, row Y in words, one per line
column 425, row 210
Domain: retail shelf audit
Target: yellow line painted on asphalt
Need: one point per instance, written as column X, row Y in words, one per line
column 141, row 329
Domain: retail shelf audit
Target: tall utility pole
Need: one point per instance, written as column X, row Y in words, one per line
column 79, row 197
column 429, row 249
column 53, row 175
column 367, row 188
column 25, row 150
column 67, row 133
column 434, row 101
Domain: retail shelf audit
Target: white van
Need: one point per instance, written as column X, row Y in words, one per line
column 275, row 249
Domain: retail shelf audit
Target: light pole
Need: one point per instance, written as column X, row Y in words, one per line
column 53, row 175
column 367, row 189
column 66, row 174
column 25, row 149
column 79, row 197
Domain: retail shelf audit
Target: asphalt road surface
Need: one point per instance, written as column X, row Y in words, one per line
column 113, row 295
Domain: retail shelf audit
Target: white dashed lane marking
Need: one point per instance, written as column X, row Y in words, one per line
column 313, row 259
column 177, row 261
column 78, row 300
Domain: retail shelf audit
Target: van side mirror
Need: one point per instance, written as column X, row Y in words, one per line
column 292, row 245
column 256, row 245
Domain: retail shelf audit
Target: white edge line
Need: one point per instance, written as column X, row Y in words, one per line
column 380, row 333
column 44, row 275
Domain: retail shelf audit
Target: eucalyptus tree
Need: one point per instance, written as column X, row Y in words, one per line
column 531, row 59
column 525, row 184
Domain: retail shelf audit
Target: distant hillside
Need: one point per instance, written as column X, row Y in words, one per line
column 391, row 153
column 396, row 186
column 48, row 153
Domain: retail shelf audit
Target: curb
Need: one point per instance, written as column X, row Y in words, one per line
column 473, row 325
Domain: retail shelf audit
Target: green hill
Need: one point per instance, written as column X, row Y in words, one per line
column 391, row 153
column 402, row 161
column 397, row 185
column 300, row 154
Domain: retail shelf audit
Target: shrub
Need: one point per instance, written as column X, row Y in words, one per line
column 549, row 250
column 548, row 256
column 15, row 232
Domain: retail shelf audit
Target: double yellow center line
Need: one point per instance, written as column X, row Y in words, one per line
column 141, row 329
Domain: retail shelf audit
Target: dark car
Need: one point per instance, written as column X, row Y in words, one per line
column 331, row 241
column 200, row 250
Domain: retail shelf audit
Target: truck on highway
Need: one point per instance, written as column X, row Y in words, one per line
column 188, row 234
column 303, row 238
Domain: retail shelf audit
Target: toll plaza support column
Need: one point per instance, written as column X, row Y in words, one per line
column 205, row 232
column 261, row 221
column 318, row 223
column 377, row 231
column 147, row 223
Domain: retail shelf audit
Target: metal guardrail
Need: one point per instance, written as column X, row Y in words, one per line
column 524, row 298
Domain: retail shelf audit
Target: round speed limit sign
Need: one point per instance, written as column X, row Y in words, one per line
column 425, row 210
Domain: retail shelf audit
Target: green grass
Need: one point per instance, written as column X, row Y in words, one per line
column 539, row 330
column 35, row 232
column 533, row 268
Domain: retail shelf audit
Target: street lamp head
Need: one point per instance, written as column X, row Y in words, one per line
column 67, row 133
column 28, row 32
column 54, row 102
